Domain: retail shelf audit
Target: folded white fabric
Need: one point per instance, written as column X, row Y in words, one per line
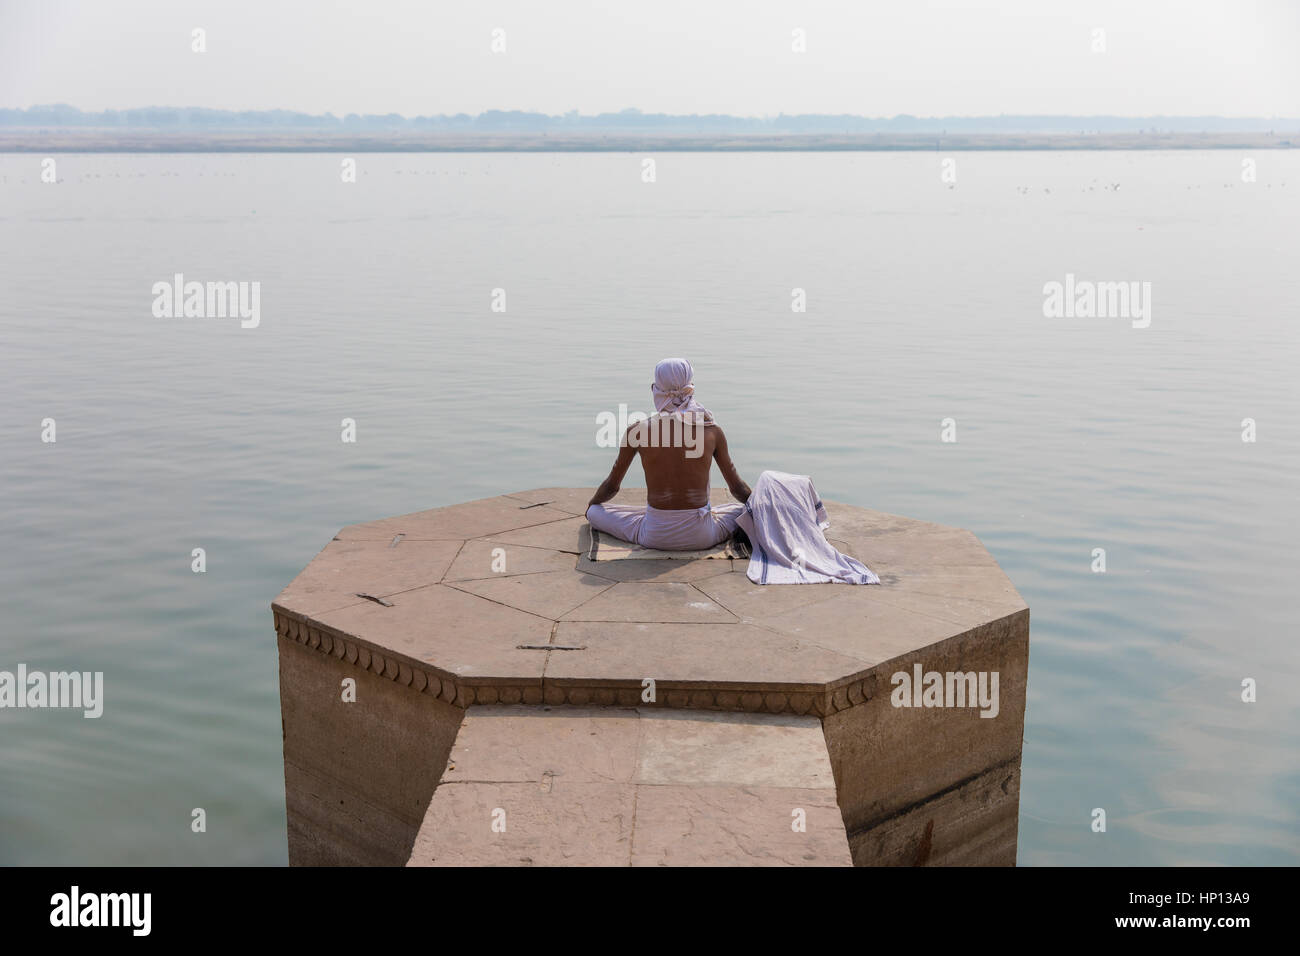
column 785, row 521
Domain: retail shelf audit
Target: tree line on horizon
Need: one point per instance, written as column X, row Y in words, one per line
column 191, row 118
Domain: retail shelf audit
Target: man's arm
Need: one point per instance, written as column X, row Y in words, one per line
column 609, row 487
column 739, row 490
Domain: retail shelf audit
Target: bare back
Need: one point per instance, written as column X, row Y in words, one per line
column 677, row 470
column 677, row 459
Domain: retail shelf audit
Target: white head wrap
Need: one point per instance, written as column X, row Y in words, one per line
column 674, row 391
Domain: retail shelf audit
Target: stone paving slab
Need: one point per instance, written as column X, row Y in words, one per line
column 701, row 654
column 866, row 522
column 564, row 534
column 956, row 610
column 460, row 634
column 345, row 569
column 529, row 785
column 750, row 601
column 648, row 572
column 589, row 825
column 869, row 629
column 704, row 748
column 915, row 550
column 526, row 744
column 478, row 559
column 549, row 594
column 651, row 603
column 737, row 826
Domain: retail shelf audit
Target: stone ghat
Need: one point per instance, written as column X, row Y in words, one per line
column 401, row 628
column 616, row 786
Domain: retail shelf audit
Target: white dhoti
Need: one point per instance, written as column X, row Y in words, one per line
column 688, row 529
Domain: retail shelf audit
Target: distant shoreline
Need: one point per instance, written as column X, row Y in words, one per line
column 46, row 140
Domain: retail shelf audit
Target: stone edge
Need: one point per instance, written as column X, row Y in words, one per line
column 461, row 692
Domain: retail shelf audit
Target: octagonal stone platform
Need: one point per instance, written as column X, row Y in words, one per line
column 493, row 602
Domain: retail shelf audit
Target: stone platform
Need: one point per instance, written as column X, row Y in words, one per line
column 619, row 786
column 490, row 605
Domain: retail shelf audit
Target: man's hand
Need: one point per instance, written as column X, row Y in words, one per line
column 603, row 493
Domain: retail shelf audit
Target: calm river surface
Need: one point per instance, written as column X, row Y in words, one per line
column 924, row 302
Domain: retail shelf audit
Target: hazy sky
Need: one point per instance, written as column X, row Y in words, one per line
column 1224, row 57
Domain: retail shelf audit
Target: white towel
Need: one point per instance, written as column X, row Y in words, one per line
column 785, row 521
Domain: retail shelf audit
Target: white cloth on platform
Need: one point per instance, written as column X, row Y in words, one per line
column 785, row 521
column 688, row 529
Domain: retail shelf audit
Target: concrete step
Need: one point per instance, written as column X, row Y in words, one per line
column 626, row 786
